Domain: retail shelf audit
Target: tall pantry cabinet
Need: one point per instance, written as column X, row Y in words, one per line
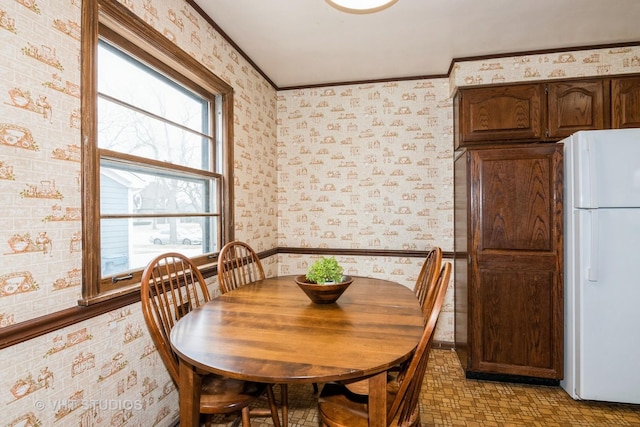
column 509, row 289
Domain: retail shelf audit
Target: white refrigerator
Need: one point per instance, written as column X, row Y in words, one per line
column 602, row 265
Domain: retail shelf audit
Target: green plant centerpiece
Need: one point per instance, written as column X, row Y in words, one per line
column 325, row 270
column 325, row 281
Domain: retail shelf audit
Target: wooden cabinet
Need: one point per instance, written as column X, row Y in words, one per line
column 625, row 102
column 530, row 112
column 574, row 106
column 509, row 261
column 499, row 113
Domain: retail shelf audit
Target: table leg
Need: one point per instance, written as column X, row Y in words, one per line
column 284, row 397
column 189, row 394
column 378, row 400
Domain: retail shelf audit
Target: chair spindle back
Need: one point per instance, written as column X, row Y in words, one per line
column 405, row 404
column 171, row 286
column 425, row 285
column 238, row 265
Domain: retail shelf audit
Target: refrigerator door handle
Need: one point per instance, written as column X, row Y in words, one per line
column 592, row 264
column 585, row 177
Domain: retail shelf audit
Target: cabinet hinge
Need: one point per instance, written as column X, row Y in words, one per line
column 546, row 89
column 546, row 133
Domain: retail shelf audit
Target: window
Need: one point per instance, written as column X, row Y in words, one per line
column 156, row 157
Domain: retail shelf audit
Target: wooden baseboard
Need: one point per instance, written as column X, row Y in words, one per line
column 443, row 345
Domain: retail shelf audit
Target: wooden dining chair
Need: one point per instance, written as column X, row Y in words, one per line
column 339, row 407
column 425, row 286
column 425, row 290
column 171, row 287
column 238, row 265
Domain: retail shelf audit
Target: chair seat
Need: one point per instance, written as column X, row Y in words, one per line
column 342, row 408
column 362, row 386
column 226, row 395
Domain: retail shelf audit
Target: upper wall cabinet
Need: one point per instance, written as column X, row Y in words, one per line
column 547, row 111
column 625, row 102
column 574, row 106
column 499, row 113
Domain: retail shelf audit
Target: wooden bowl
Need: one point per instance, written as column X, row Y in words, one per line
column 323, row 294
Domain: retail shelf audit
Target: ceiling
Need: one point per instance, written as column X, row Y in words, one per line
column 308, row 42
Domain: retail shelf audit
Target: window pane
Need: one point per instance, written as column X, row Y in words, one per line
column 143, row 191
column 129, row 81
column 125, row 130
column 129, row 244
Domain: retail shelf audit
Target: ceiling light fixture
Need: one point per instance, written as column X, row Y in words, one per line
column 361, row 6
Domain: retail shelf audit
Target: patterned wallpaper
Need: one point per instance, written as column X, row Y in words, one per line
column 366, row 166
column 40, row 160
column 562, row 65
column 353, row 166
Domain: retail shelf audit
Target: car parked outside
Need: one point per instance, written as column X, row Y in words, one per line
column 183, row 237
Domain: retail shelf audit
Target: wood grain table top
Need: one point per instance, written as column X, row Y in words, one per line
column 269, row 331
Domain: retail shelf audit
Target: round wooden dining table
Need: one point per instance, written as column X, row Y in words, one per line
column 269, row 331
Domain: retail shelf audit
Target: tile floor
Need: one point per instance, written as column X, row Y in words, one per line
column 449, row 399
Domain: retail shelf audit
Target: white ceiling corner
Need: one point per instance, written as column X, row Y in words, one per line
column 308, row 42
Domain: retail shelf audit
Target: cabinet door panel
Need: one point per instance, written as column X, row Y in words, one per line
column 501, row 113
column 517, row 306
column 625, row 103
column 515, row 285
column 575, row 106
column 516, row 203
